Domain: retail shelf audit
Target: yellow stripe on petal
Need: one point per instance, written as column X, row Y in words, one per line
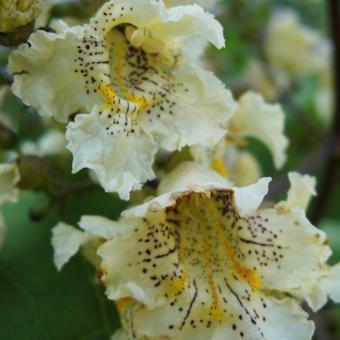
column 247, row 274
column 219, row 166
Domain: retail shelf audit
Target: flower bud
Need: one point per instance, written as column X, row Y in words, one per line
column 33, row 172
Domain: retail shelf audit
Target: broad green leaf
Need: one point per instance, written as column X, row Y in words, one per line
column 36, row 301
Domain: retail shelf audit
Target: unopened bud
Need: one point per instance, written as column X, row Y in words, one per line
column 17, row 37
column 33, row 171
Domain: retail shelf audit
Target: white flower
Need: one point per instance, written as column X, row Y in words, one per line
column 9, row 178
column 203, row 260
column 301, row 190
column 256, row 118
column 294, row 47
column 127, row 69
column 253, row 117
column 14, row 14
column 67, row 240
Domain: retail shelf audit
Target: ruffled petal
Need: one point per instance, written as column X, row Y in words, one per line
column 165, row 24
column 302, row 188
column 255, row 118
column 207, row 256
column 200, row 101
column 327, row 287
column 333, row 283
column 103, row 227
column 248, row 198
column 281, row 319
column 9, row 177
column 121, row 161
column 66, row 242
column 49, row 75
column 273, row 241
column 187, row 175
column 73, row 66
column 294, row 47
column 249, row 315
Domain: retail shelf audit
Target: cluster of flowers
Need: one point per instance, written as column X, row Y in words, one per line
column 309, row 54
column 201, row 259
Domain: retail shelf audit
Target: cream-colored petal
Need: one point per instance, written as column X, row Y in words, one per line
column 273, row 237
column 245, row 169
column 200, row 102
column 189, row 175
column 333, row 283
column 72, row 66
column 9, row 177
column 294, row 47
column 327, row 287
column 165, row 24
column 103, row 227
column 255, row 118
column 249, row 198
column 284, row 320
column 273, row 240
column 249, row 315
column 123, row 270
column 52, row 142
column 14, row 14
column 302, row 188
column 66, row 242
column 49, row 75
column 189, row 20
column 197, row 259
column 122, row 161
column 193, row 50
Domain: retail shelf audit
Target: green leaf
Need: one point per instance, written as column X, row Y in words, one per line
column 37, row 302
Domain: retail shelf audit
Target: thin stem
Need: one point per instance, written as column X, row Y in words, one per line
column 332, row 159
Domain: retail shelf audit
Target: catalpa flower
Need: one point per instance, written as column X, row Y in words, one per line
column 126, row 68
column 253, row 117
column 203, row 260
column 17, row 13
column 295, row 48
